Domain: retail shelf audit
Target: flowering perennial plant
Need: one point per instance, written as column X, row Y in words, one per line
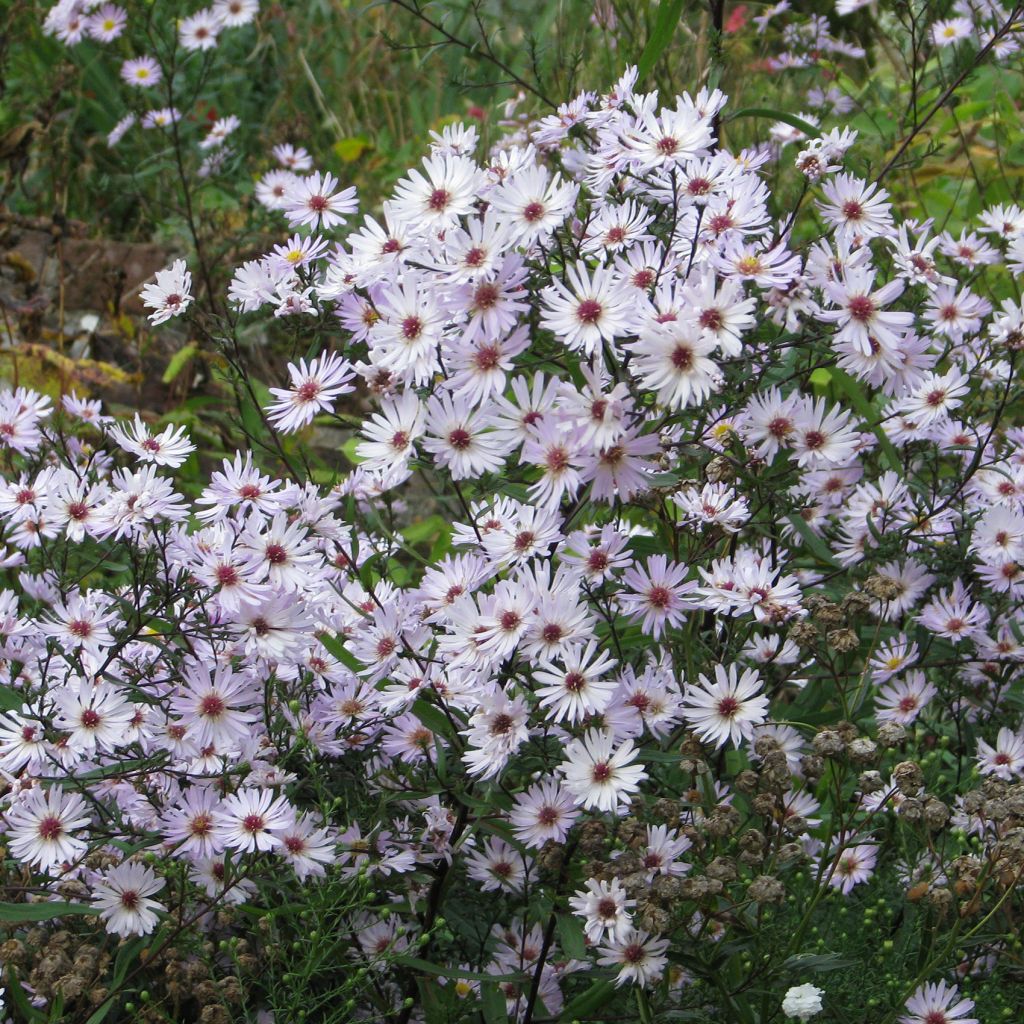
column 672, row 589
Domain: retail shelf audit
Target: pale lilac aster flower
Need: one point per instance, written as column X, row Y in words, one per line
column 122, row 898
column 727, row 709
column 938, row 1003
column 600, row 775
column 39, row 827
column 142, row 72
column 171, row 293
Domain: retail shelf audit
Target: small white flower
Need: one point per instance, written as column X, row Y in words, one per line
column 122, row 898
column 171, row 295
column 802, row 1002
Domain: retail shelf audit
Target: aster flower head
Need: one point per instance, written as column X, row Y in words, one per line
column 200, row 31
column 599, row 774
column 853, row 865
column 591, row 308
column 41, row 827
column 141, row 72
column 546, row 811
column 577, row 687
column 107, row 23
column 639, row 958
column 672, row 359
column 606, row 909
column 171, row 447
column 235, row 13
column 122, row 898
column 250, row 820
column 314, row 202
column 314, row 387
column 435, row 197
column 95, row 715
column 161, row 117
column 171, row 293
column 658, row 594
column 1005, row 759
column 857, row 209
column 938, row 1003
column 728, row 708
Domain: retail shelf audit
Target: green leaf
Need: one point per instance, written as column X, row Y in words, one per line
column 492, row 1003
column 426, row 967
column 335, row 647
column 349, row 450
column 432, row 717
column 104, row 1010
column 777, row 115
column 863, row 407
column 351, row 149
column 128, row 954
column 10, row 699
column 652, row 756
column 17, row 996
column 818, row 547
column 179, row 361
column 661, row 35
column 817, row 962
column 584, row 1005
column 252, row 422
column 570, row 935
column 17, row 913
column 426, row 529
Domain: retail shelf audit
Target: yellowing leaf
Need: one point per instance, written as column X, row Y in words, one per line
column 351, row 149
column 179, row 361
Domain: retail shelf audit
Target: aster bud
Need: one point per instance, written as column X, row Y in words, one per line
column 592, row 837
column 666, row 811
column 790, row 852
column 723, row 821
column 828, row 615
column 753, row 844
column 794, row 824
column 940, row 898
column 700, row 888
column 912, row 809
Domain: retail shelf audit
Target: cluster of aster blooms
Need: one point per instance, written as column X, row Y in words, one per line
column 704, row 477
column 75, row 21
column 809, row 42
column 631, row 262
